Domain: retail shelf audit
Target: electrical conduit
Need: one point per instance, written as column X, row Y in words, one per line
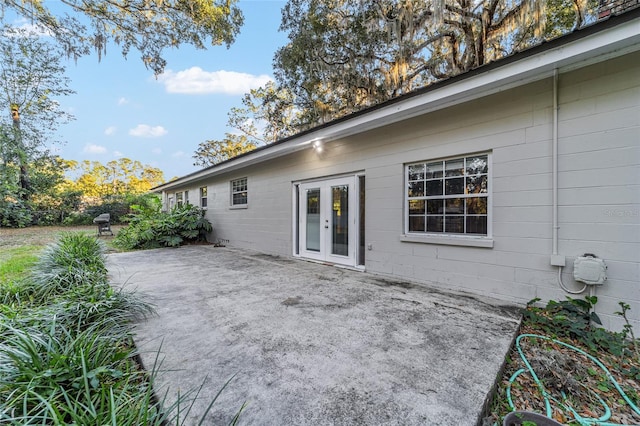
column 554, row 172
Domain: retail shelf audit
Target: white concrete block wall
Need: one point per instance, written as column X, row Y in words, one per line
column 599, row 189
column 600, row 178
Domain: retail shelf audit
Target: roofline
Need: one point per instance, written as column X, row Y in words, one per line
column 612, row 37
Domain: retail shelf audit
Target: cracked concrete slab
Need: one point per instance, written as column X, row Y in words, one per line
column 311, row 344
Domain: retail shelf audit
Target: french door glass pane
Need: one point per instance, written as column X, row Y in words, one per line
column 340, row 220
column 313, row 219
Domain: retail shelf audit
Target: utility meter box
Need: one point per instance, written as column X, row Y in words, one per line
column 590, row 270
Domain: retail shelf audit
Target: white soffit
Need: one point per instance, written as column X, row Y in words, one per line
column 606, row 44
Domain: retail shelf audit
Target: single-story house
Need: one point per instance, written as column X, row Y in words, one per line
column 497, row 182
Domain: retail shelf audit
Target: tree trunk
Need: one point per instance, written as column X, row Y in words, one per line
column 25, row 184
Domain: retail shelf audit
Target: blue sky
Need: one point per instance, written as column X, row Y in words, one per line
column 122, row 110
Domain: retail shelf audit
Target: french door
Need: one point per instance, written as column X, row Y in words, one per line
column 327, row 220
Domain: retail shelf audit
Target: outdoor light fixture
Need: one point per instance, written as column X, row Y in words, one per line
column 317, row 146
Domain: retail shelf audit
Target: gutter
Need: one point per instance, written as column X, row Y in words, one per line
column 607, row 39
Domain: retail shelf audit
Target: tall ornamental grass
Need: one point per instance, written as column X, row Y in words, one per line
column 66, row 348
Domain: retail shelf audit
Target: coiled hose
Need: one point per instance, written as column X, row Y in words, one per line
column 586, row 421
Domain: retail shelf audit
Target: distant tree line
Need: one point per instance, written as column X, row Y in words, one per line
column 35, row 185
column 55, row 198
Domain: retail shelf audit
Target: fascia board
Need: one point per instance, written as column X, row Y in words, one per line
column 621, row 39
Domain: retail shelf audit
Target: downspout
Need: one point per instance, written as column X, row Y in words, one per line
column 554, row 154
column 556, row 259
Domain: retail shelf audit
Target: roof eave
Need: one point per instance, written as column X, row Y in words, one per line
column 586, row 47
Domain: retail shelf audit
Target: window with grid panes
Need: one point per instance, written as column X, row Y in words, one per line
column 203, row 197
column 448, row 197
column 239, row 196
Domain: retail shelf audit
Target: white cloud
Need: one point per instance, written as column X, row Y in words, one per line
column 94, row 149
column 28, row 25
column 110, row 130
column 157, row 151
column 178, row 154
column 195, row 80
column 117, row 154
column 146, row 131
column 123, row 101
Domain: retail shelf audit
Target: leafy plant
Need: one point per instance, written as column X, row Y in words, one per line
column 66, row 349
column 15, row 214
column 151, row 228
column 628, row 335
column 575, row 319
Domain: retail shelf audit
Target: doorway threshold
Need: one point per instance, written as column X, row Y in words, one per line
column 358, row 268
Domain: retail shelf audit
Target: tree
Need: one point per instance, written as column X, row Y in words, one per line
column 31, row 80
column 149, row 26
column 212, row 152
column 346, row 55
column 117, row 177
column 53, row 198
column 267, row 114
column 49, row 193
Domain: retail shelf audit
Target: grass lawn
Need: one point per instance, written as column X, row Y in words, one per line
column 16, row 261
column 19, row 248
column 43, row 235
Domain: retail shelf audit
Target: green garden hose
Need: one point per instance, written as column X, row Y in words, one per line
column 586, row 421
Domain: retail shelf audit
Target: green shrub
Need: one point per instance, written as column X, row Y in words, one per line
column 120, row 207
column 74, row 260
column 78, row 218
column 15, row 214
column 151, row 228
column 66, row 349
column 575, row 319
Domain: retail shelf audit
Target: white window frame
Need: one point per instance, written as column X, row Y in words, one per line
column 474, row 240
column 179, row 199
column 233, row 189
column 186, row 197
column 204, row 200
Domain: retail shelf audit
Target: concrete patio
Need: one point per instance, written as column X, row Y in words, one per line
column 310, row 344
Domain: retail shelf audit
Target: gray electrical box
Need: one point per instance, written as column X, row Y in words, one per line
column 590, row 270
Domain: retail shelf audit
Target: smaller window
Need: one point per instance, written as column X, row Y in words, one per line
column 239, row 192
column 203, row 197
column 186, row 197
column 179, row 199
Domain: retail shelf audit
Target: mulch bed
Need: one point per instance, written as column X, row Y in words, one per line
column 572, row 379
